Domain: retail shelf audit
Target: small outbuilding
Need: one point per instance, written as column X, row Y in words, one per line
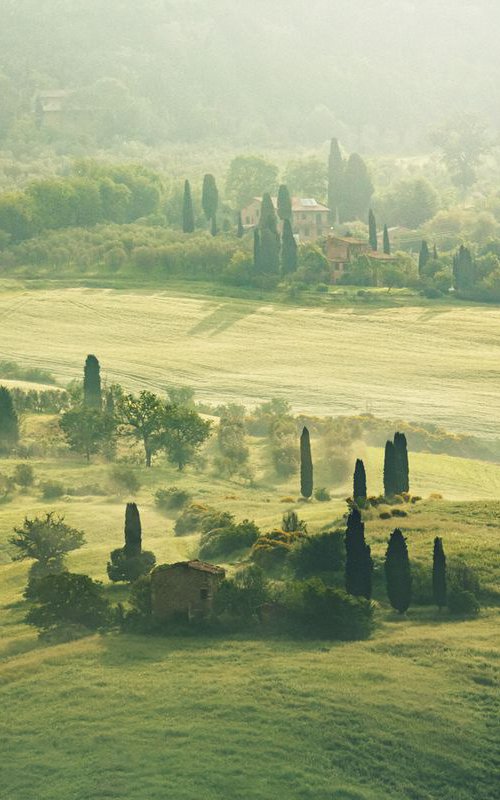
column 185, row 590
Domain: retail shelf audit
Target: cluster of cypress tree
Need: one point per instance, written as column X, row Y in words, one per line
column 359, row 564
column 209, row 203
column 273, row 254
column 464, row 270
column 396, row 466
column 350, row 188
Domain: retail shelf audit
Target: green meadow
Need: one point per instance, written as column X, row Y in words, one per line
column 410, row 714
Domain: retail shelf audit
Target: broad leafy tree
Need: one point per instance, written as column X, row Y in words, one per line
column 46, row 540
column 142, row 418
column 87, row 430
column 183, row 432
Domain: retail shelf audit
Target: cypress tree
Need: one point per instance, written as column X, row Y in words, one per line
column 463, row 269
column 306, row 465
column 269, row 237
column 439, row 588
column 289, row 250
column 256, row 251
column 336, row 168
column 402, row 464
column 240, row 231
column 133, row 532
column 213, row 227
column 359, row 492
column 387, row 241
column 210, row 198
column 398, row 572
column 9, row 422
column 268, row 215
column 284, row 203
column 372, row 228
column 390, row 470
column 92, row 392
column 435, row 252
column 110, row 403
column 359, row 564
column 423, row 257
column 187, row 210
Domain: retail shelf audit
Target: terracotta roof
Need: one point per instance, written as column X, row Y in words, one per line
column 201, row 566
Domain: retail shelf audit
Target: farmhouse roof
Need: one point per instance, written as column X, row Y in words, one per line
column 201, row 566
column 349, row 240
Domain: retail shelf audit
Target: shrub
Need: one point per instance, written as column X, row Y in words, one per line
column 398, row 512
column 216, row 519
column 463, row 603
column 463, row 578
column 316, row 555
column 291, row 523
column 224, row 541
column 332, row 613
column 190, row 520
column 421, row 584
column 241, row 597
column 69, row 599
column 52, row 490
column 271, row 550
column 385, row 515
column 125, row 480
column 128, row 570
column 171, row 499
column 24, row 475
column 322, row 495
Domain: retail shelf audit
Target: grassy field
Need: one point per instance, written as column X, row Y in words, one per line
column 411, row 714
column 434, row 363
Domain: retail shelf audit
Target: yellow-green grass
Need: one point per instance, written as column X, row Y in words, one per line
column 407, row 715
column 427, row 364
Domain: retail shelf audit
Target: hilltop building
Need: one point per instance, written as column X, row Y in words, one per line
column 185, row 590
column 341, row 251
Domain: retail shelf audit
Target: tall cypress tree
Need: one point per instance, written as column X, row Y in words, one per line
column 289, row 250
column 187, row 210
column 213, row 227
column 402, row 464
column 390, row 471
column 435, row 252
column 92, row 392
column 336, row 168
column 439, row 588
column 423, row 257
column 284, row 203
column 210, row 199
column 372, row 228
column 133, row 532
column 387, row 241
column 240, row 230
column 359, row 491
column 269, row 237
column 9, row 422
column 398, row 572
column 463, row 269
column 306, row 465
column 359, row 564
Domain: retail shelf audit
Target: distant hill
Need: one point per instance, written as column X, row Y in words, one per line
column 375, row 73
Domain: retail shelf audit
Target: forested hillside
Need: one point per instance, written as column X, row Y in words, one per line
column 249, row 74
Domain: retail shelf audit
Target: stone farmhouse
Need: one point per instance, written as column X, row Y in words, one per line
column 185, row 590
column 341, row 251
column 310, row 219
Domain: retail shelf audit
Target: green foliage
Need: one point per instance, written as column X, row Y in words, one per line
column 69, row 599
column 372, row 230
column 210, row 198
column 359, row 487
column 249, row 177
column 128, row 569
column 409, row 203
column 9, row 423
column 329, row 613
column 306, row 465
column 221, row 542
column 284, row 203
column 183, row 432
column 307, row 177
column 464, row 270
column 316, row 555
column 92, row 393
column 234, row 453
column 133, row 531
column 13, row 371
column 171, row 499
column 188, row 223
column 52, row 490
column 391, row 479
column 47, row 540
column 357, row 190
column 322, row 495
column 240, row 598
column 142, row 417
column 191, row 519
column 439, row 587
column 463, row 141
column 289, row 250
column 462, row 603
column 88, row 430
column 24, row 475
column 125, row 479
column 336, row 168
column 398, row 573
column 387, row 242
column 402, row 465
column 358, row 564
column 292, row 524
column 272, row 549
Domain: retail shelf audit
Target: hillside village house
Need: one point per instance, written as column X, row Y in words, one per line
column 309, row 218
column 185, row 590
column 341, row 251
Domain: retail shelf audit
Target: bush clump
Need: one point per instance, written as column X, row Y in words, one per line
column 69, row 599
column 171, row 499
column 24, row 475
column 319, row 554
column 271, row 550
column 322, row 495
column 125, row 569
column 462, row 603
column 226, row 540
column 191, row 518
column 317, row 610
column 125, row 480
column 52, row 490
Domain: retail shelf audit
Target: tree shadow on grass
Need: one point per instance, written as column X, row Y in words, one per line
column 222, row 317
